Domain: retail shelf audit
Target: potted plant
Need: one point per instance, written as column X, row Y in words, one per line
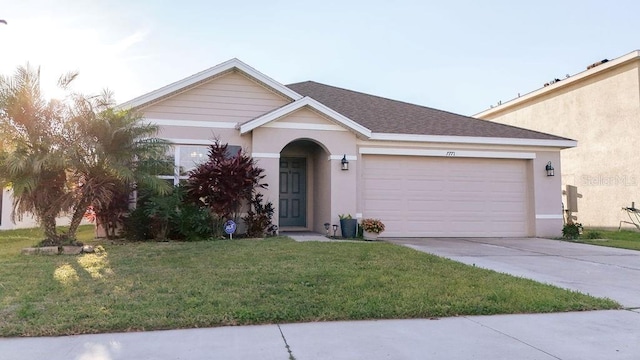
column 371, row 228
column 348, row 226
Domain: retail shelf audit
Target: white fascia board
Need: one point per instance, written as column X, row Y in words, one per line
column 189, row 141
column 559, row 84
column 305, row 101
column 192, row 123
column 453, row 153
column 203, row 75
column 474, row 140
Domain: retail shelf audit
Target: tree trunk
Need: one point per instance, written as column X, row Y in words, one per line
column 76, row 219
column 48, row 224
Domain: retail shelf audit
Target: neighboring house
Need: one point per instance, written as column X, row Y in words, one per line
column 28, row 221
column 599, row 107
column 423, row 172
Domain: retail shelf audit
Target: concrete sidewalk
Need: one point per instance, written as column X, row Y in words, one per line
column 607, row 335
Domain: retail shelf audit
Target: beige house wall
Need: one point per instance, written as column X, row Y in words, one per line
column 231, row 97
column 601, row 110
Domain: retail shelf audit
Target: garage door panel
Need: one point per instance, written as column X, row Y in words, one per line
column 446, row 197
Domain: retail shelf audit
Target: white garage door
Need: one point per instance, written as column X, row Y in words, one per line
column 446, row 197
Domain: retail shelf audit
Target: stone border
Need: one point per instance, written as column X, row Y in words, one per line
column 58, row 250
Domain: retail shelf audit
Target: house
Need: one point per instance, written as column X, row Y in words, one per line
column 599, row 107
column 328, row 151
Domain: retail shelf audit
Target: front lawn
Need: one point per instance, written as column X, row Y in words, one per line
column 145, row 286
column 625, row 239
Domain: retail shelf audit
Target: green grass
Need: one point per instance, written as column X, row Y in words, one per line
column 145, row 286
column 624, row 239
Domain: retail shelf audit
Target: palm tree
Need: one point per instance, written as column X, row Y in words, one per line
column 31, row 147
column 63, row 156
column 113, row 151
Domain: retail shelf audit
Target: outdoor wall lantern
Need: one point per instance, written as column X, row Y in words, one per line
column 549, row 169
column 345, row 162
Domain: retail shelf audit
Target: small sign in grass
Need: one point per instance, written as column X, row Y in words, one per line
column 145, row 286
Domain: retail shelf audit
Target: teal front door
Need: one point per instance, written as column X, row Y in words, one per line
column 293, row 192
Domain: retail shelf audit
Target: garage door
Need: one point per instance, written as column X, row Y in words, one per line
column 446, row 197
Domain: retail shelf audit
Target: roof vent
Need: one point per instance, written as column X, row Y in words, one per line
column 597, row 63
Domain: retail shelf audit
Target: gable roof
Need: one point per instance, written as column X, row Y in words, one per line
column 206, row 75
column 383, row 115
column 298, row 104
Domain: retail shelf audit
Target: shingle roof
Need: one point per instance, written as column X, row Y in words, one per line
column 382, row 115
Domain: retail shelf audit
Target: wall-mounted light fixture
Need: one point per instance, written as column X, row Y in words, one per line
column 549, row 169
column 345, row 162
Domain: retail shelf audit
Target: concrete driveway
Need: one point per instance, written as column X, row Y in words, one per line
column 595, row 270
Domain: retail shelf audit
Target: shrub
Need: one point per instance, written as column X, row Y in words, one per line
column 224, row 183
column 190, row 222
column 137, row 225
column 167, row 217
column 259, row 217
column 572, row 231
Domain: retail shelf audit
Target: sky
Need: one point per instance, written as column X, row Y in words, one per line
column 455, row 55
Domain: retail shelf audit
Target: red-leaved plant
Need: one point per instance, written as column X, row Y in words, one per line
column 224, row 182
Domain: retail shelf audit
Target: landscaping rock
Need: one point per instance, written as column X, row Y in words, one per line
column 72, row 250
column 87, row 249
column 29, row 251
column 48, row 250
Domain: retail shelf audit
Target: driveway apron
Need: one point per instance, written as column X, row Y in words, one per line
column 596, row 270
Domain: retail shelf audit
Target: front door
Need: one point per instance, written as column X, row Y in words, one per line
column 293, row 192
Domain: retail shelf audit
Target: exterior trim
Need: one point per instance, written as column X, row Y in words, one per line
column 339, row 157
column 266, row 155
column 303, row 126
column 193, row 123
column 548, row 217
column 305, row 101
column 565, row 82
column 204, row 75
column 447, row 153
column 189, row 141
column 474, row 140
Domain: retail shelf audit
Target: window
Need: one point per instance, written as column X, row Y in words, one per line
column 188, row 157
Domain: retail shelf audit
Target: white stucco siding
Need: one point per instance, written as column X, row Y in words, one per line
column 602, row 113
column 229, row 98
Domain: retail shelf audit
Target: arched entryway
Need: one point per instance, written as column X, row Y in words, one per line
column 304, row 186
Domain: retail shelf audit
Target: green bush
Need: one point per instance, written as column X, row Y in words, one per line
column 190, row 222
column 572, row 231
column 137, row 225
column 168, row 216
